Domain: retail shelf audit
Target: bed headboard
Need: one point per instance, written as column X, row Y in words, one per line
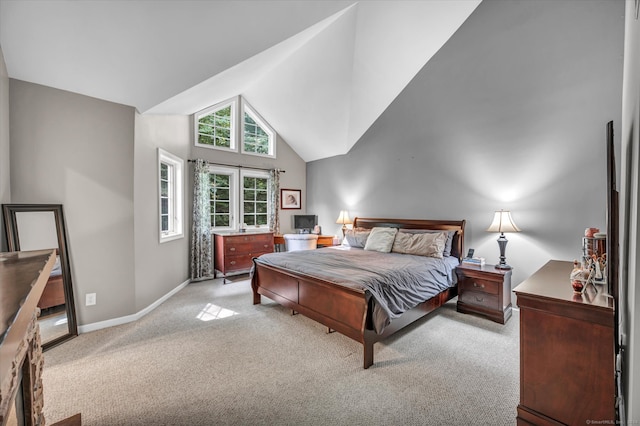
column 457, row 248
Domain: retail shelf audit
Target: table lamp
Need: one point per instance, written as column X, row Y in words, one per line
column 344, row 220
column 502, row 222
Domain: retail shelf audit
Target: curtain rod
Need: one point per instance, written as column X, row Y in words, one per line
column 240, row 167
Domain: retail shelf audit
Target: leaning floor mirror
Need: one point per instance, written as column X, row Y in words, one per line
column 38, row 227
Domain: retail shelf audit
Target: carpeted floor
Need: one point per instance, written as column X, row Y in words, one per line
column 207, row 356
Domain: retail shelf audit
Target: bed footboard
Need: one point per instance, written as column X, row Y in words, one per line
column 339, row 308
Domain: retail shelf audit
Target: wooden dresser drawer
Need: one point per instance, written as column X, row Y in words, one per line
column 237, row 263
column 477, row 298
column 481, row 285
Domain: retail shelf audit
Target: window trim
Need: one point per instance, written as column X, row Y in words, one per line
column 233, row 197
column 256, row 174
column 246, row 108
column 233, row 131
column 176, row 188
column 238, row 108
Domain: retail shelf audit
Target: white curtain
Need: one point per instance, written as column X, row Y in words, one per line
column 201, row 256
column 274, row 218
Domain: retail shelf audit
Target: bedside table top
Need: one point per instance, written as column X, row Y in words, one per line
column 486, row 268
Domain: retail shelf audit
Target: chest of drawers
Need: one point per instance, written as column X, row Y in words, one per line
column 234, row 251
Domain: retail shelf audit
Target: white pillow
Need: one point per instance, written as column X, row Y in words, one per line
column 381, row 239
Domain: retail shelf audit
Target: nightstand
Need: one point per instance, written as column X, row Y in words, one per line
column 484, row 290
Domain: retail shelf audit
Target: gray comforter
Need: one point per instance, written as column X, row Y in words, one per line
column 397, row 282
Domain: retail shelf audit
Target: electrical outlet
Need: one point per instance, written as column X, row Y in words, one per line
column 90, row 299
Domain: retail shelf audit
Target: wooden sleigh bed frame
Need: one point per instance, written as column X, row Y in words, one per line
column 345, row 309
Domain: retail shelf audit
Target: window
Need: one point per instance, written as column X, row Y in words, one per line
column 217, row 127
column 222, row 197
column 170, row 196
column 238, row 197
column 257, row 136
column 255, row 199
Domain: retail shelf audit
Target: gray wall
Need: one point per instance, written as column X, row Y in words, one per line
column 5, row 187
column 78, row 151
column 509, row 114
column 159, row 268
column 629, row 197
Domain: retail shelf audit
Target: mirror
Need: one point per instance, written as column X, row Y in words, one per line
column 38, row 227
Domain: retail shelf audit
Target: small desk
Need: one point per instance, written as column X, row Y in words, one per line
column 323, row 240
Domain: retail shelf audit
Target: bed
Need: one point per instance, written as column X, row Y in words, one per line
column 326, row 293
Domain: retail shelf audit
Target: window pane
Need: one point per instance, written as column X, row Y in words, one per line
column 249, row 194
column 261, row 208
column 222, row 180
column 164, row 188
column 249, row 208
column 215, row 128
column 221, row 207
column 261, row 196
column 164, row 171
column 165, row 223
column 205, row 139
column 249, row 219
column 261, row 219
column 249, row 182
column 221, row 220
column 164, row 202
column 222, row 194
column 262, row 183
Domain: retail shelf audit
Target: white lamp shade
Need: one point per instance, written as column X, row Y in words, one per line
column 344, row 218
column 502, row 222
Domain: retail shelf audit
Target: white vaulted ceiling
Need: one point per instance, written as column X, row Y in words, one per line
column 320, row 72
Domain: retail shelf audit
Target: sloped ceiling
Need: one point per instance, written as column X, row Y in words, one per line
column 320, row 72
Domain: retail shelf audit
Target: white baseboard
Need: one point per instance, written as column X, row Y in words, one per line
column 130, row 318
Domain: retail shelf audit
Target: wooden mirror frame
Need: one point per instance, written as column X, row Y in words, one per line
column 13, row 243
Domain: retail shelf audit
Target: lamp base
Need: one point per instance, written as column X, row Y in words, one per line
column 503, row 266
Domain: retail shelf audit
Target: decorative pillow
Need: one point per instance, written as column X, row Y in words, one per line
column 381, row 239
column 357, row 237
column 429, row 244
column 447, row 245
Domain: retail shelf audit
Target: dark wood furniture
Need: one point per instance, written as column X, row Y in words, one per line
column 484, row 290
column 233, row 251
column 53, row 294
column 344, row 309
column 567, row 374
column 23, row 276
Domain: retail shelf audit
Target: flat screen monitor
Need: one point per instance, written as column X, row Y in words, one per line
column 304, row 222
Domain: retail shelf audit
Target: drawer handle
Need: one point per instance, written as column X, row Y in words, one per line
column 479, row 299
column 233, row 262
column 232, row 249
column 476, row 285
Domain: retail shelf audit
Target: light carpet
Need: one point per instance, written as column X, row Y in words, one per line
column 207, row 356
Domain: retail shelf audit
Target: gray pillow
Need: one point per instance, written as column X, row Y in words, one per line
column 357, row 237
column 381, row 239
column 430, row 244
column 447, row 245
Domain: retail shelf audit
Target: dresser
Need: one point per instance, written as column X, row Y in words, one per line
column 567, row 342
column 484, row 290
column 234, row 251
column 23, row 276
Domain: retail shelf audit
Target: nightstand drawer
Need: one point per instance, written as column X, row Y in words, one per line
column 476, row 298
column 480, row 285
